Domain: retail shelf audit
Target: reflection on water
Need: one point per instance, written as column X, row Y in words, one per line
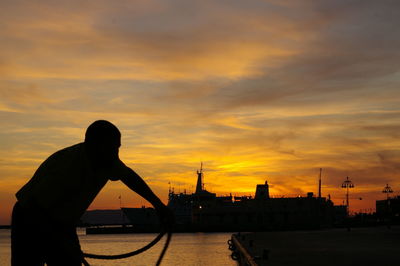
column 185, row 249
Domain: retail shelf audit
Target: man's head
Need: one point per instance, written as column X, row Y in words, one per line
column 103, row 140
column 103, row 132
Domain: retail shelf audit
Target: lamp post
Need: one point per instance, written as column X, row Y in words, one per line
column 387, row 190
column 347, row 184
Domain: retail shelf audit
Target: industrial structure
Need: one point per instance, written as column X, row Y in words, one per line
column 205, row 211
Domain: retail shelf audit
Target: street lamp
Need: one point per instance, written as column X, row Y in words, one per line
column 387, row 190
column 347, row 184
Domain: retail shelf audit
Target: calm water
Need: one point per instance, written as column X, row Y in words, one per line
column 185, row 249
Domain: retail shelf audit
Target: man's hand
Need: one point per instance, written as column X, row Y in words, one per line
column 166, row 216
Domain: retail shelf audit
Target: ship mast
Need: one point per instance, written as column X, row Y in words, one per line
column 319, row 184
column 200, row 185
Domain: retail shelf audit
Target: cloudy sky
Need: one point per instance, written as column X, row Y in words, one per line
column 257, row 90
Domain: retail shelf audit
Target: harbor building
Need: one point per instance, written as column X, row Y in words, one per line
column 205, row 211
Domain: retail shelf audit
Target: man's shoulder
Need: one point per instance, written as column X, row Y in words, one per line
column 78, row 146
column 71, row 149
column 67, row 153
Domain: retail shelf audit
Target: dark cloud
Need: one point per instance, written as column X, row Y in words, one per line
column 354, row 47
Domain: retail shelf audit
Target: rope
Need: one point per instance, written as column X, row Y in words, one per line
column 136, row 252
column 169, row 235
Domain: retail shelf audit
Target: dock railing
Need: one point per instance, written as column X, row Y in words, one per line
column 240, row 253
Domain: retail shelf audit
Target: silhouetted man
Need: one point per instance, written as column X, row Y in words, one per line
column 50, row 205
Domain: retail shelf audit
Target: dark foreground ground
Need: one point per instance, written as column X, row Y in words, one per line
column 378, row 246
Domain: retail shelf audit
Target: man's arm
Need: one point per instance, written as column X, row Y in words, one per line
column 132, row 180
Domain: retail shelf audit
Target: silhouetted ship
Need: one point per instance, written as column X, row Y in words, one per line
column 205, row 211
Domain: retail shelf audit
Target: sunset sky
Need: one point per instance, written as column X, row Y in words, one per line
column 256, row 90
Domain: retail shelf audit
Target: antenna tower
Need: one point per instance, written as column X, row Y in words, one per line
column 319, row 184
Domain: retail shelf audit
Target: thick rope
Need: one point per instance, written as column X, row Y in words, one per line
column 169, row 235
column 133, row 253
column 125, row 255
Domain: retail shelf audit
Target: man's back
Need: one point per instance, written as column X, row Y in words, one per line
column 64, row 185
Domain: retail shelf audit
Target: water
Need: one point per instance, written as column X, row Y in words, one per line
column 185, row 249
